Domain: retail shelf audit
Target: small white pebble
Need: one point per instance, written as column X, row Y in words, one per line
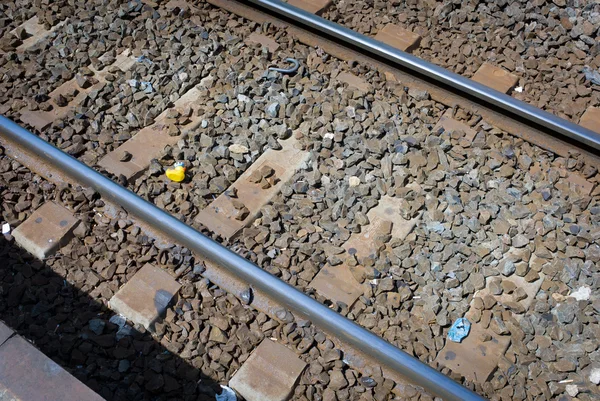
column 581, row 294
column 237, row 148
column 5, row 228
column 519, row 89
column 328, row 135
column 572, row 389
column 354, row 181
column 595, row 376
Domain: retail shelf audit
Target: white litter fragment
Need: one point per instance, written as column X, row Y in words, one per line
column 226, row 395
column 5, row 228
column 329, row 135
column 519, row 89
column 582, row 293
column 595, row 376
column 572, row 389
column 143, row 85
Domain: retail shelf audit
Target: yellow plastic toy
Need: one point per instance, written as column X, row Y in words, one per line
column 176, row 173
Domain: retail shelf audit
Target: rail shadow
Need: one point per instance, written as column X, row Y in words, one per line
column 77, row 332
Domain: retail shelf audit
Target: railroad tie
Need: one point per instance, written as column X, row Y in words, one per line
column 241, row 203
column 270, row 373
column 257, row 38
column 146, row 296
column 591, row 119
column 342, row 283
column 399, row 38
column 449, row 124
column 75, row 92
column 353, row 81
column 31, row 32
column 496, row 78
column 476, row 357
column 312, row 6
column 46, row 230
column 150, row 141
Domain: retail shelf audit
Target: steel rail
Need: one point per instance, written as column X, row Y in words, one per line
column 326, row 319
column 439, row 74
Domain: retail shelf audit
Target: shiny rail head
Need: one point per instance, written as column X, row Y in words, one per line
column 508, row 104
column 326, row 319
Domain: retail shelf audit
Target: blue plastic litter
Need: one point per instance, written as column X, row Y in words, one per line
column 592, row 75
column 459, row 330
column 226, row 395
column 144, row 59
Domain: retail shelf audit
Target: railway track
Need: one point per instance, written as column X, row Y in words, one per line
column 372, row 207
